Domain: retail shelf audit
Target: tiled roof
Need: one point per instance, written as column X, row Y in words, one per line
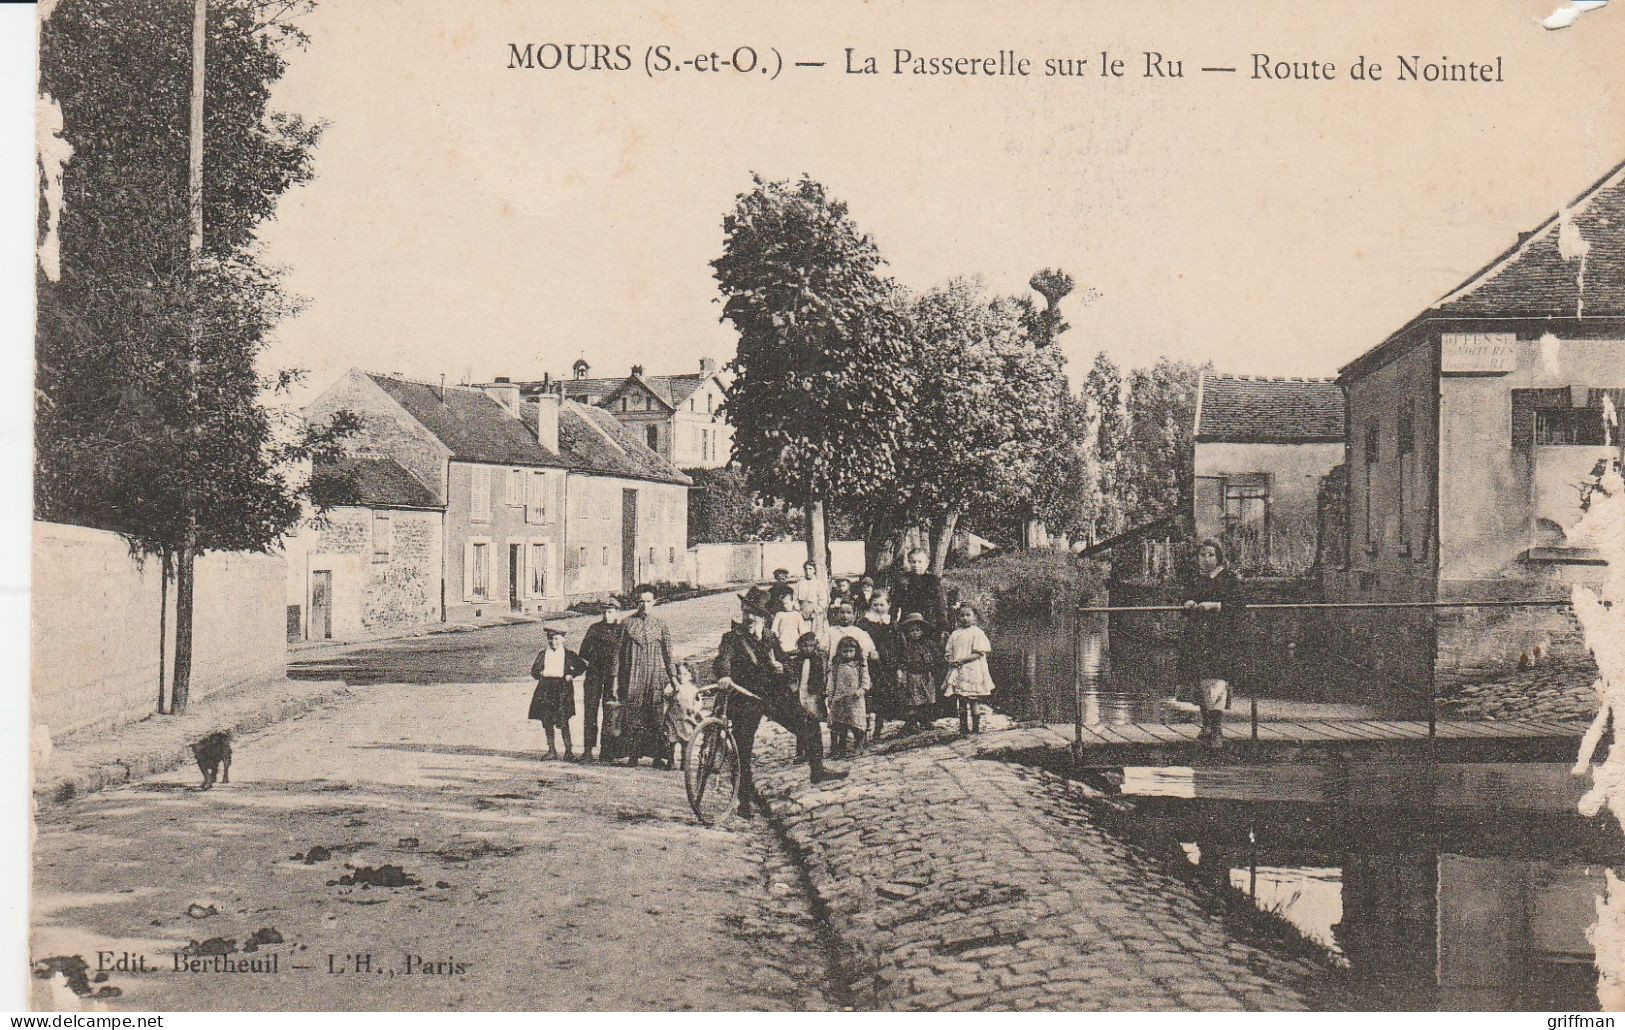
column 674, row 390
column 370, row 481
column 1254, row 409
column 471, row 425
column 1572, row 265
column 592, row 441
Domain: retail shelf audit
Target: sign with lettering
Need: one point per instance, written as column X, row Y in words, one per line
column 1479, row 353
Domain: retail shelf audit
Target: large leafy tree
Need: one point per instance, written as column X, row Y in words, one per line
column 1156, row 470
column 150, row 419
column 1106, row 433
column 820, row 382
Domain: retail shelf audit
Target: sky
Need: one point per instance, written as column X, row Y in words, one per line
column 475, row 220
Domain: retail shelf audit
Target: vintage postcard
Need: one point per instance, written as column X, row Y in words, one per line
column 886, row 506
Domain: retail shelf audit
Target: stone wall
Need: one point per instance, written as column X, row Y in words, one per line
column 95, row 627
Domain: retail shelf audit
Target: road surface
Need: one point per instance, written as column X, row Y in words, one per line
column 504, row 882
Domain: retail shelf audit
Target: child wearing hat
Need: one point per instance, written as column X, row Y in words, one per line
column 554, row 700
column 919, row 663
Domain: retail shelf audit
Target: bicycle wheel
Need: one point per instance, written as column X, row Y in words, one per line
column 711, row 771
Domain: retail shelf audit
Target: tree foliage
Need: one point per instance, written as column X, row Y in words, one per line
column 723, row 509
column 820, row 378
column 149, row 408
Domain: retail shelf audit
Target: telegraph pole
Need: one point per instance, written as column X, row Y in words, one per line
column 186, row 558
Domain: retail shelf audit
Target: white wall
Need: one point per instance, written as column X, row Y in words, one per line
column 95, row 632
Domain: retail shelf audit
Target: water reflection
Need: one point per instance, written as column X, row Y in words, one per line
column 1429, row 898
column 1052, row 668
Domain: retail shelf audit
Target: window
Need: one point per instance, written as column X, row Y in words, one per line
column 623, row 404
column 653, row 434
column 1373, row 444
column 604, row 560
column 1405, row 438
column 480, row 572
column 1247, row 501
column 536, row 497
column 1569, row 426
column 479, row 501
column 538, row 570
column 671, row 556
column 652, row 556
column 1525, row 405
column 691, row 404
column 382, row 536
column 516, row 487
column 708, row 402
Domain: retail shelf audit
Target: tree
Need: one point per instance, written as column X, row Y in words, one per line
column 1158, row 467
column 722, row 509
column 149, row 412
column 1106, row 431
column 820, row 383
column 1053, row 285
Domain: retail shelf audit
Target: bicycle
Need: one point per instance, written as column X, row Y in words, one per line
column 710, row 759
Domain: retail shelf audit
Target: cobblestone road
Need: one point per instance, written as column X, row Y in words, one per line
column 956, row 880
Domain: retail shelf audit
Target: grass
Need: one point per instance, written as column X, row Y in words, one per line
column 1026, row 583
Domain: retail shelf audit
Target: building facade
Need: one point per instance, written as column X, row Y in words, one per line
column 1472, row 433
column 677, row 416
column 1262, row 448
column 503, row 483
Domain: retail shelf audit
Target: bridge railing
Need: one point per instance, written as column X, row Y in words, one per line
column 1253, row 664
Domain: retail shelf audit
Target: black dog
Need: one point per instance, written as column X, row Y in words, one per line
column 213, row 754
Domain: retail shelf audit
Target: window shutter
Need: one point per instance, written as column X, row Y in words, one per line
column 468, row 570
column 479, row 502
column 537, row 501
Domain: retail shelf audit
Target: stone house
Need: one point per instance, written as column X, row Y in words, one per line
column 677, row 416
column 1470, row 433
column 374, row 562
column 1262, row 447
column 505, row 476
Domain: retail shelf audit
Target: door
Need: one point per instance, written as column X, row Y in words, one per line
column 516, row 577
column 629, row 540
column 321, row 605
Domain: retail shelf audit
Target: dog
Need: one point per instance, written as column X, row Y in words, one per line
column 213, row 754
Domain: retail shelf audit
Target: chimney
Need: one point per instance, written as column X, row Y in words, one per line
column 505, row 393
column 707, row 366
column 548, row 403
column 637, row 370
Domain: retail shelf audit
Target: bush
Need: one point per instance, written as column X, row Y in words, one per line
column 1026, row 583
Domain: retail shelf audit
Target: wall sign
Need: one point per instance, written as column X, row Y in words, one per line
column 1478, row 353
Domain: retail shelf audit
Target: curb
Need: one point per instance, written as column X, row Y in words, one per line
column 160, row 758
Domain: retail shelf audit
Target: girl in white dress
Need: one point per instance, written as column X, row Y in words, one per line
column 968, row 677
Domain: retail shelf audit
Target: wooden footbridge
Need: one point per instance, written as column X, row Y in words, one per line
column 1298, row 741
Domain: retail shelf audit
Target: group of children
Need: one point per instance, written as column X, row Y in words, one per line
column 852, row 661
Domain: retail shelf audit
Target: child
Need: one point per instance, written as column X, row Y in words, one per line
column 847, row 693
column 968, row 676
column 807, row 678
column 554, row 700
column 788, row 623
column 683, row 713
column 919, row 660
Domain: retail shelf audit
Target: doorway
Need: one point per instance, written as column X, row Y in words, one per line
column 516, row 577
column 629, row 541
column 321, row 605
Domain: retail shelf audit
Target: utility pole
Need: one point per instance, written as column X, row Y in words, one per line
column 180, row 692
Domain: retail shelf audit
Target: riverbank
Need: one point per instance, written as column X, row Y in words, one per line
column 1026, row 583
column 953, row 879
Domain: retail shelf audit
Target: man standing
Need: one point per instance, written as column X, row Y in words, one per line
column 920, row 592
column 642, row 670
column 749, row 657
column 598, row 648
column 781, row 588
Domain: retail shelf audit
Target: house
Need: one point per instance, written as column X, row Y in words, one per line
column 540, row 503
column 374, row 561
column 1470, row 432
column 1262, row 448
column 626, row 508
column 678, row 416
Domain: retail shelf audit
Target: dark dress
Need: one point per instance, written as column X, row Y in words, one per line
column 554, row 700
column 919, row 664
column 883, row 668
column 920, row 592
column 1207, row 649
column 643, row 667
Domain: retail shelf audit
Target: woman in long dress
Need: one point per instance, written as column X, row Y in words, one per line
column 644, row 668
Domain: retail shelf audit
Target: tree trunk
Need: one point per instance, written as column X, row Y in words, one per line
column 942, row 540
column 163, row 626
column 818, row 538
column 879, row 550
column 181, row 688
